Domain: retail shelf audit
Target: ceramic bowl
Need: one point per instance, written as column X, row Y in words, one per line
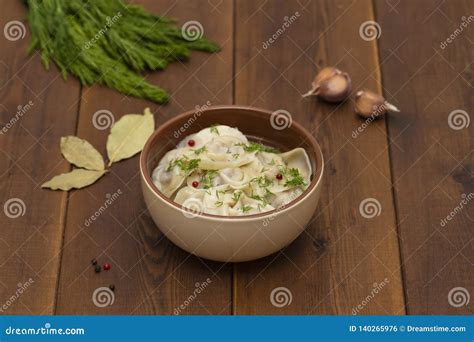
column 223, row 238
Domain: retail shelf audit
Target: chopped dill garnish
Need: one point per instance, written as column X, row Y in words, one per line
column 293, row 177
column 184, row 163
column 236, row 196
column 200, row 150
column 262, row 181
column 256, row 147
column 213, row 129
column 246, row 208
column 218, row 204
column 207, row 179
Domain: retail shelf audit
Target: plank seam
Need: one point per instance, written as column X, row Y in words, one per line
column 390, row 164
column 65, row 214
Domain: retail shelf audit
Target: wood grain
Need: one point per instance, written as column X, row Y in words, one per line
column 432, row 163
column 151, row 275
column 333, row 266
column 37, row 107
column 413, row 163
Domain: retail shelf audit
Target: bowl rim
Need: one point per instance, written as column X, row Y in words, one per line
column 316, row 179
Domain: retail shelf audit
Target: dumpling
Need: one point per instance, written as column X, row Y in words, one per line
column 225, row 152
column 281, row 199
column 298, row 159
column 204, row 136
column 188, row 192
column 235, row 177
column 218, row 171
column 218, row 200
column 249, row 206
column 168, row 179
column 205, row 179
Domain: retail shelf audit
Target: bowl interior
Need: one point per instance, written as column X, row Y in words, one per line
column 255, row 123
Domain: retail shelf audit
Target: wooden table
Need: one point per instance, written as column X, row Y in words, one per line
column 413, row 163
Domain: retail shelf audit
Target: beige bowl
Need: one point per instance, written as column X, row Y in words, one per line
column 223, row 238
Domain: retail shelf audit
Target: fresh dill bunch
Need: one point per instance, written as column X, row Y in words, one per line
column 108, row 42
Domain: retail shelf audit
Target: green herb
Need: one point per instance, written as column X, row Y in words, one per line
column 293, row 177
column 262, row 181
column 200, row 150
column 246, row 208
column 218, row 204
column 235, row 155
column 184, row 163
column 236, row 196
column 109, row 42
column 256, row 147
column 207, row 179
column 213, row 129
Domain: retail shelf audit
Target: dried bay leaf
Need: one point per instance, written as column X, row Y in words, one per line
column 81, row 153
column 76, row 179
column 128, row 135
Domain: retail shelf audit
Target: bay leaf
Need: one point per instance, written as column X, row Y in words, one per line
column 128, row 135
column 76, row 179
column 81, row 153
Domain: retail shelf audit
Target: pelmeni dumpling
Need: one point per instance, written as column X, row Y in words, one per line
column 298, row 159
column 225, row 152
column 248, row 206
column 204, row 136
column 166, row 178
column 218, row 171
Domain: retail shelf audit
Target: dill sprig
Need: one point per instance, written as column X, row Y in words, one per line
column 293, row 178
column 109, row 43
column 256, row 147
column 185, row 164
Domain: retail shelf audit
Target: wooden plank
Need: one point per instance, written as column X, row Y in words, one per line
column 430, row 77
column 333, row 266
column 37, row 107
column 150, row 274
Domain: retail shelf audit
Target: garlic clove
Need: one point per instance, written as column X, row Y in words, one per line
column 369, row 104
column 331, row 84
column 336, row 88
